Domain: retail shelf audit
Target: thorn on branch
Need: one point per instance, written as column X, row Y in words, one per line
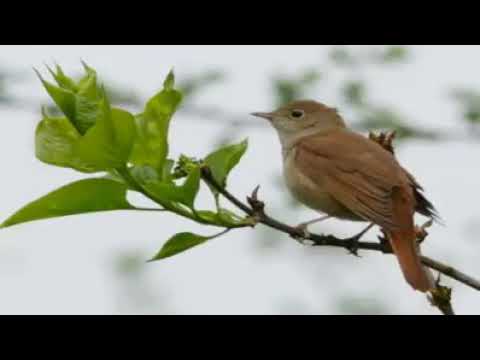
column 353, row 246
column 258, row 206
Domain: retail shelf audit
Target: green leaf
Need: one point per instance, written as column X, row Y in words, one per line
column 88, row 102
column 79, row 102
column 209, row 216
column 105, row 146
column 63, row 80
column 80, row 197
column 65, row 99
column 170, row 192
column 55, row 140
column 108, row 144
column 190, row 187
column 228, row 218
column 151, row 147
column 169, row 82
column 144, row 174
column 167, row 170
column 223, row 217
column 181, row 242
column 222, row 161
column 87, row 113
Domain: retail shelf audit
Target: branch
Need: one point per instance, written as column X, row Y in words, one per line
column 439, row 298
column 451, row 272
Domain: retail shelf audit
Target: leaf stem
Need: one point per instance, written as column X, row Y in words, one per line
column 148, row 209
column 125, row 174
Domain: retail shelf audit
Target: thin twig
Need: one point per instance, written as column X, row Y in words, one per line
column 451, row 272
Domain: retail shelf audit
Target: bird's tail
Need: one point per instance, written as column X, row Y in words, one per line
column 404, row 244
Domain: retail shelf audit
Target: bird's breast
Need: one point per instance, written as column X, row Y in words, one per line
column 310, row 193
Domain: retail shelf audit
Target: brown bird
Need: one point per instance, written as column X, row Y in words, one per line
column 345, row 175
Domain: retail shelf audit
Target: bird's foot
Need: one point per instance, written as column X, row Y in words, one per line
column 354, row 241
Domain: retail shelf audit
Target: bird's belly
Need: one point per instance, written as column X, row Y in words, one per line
column 313, row 195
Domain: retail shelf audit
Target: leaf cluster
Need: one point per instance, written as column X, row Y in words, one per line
column 125, row 152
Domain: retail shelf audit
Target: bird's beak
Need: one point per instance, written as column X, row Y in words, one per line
column 265, row 115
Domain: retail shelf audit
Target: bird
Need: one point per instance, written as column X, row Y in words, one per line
column 343, row 174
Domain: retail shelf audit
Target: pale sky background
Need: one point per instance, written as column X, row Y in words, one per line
column 66, row 265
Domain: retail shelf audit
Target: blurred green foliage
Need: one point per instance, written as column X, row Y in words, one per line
column 8, row 77
column 340, row 56
column 286, row 89
column 392, row 55
column 354, row 92
column 344, row 56
column 468, row 101
column 387, row 119
column 196, row 83
column 135, row 292
column 346, row 304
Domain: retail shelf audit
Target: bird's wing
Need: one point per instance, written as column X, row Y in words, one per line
column 357, row 172
column 367, row 179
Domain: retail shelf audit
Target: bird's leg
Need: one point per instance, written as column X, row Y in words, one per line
column 302, row 228
column 353, row 241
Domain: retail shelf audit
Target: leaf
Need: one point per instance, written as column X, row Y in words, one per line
column 169, row 82
column 65, row 99
column 170, row 192
column 208, row 215
column 151, row 147
column 167, row 170
column 222, row 161
column 190, row 187
column 80, row 197
column 79, row 102
column 88, row 102
column 144, row 174
column 63, row 80
column 108, row 144
column 55, row 140
column 223, row 217
column 228, row 218
column 181, row 242
column 87, row 113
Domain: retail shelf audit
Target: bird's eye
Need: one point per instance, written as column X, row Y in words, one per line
column 297, row 114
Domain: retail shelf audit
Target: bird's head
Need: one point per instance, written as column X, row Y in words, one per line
column 302, row 116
